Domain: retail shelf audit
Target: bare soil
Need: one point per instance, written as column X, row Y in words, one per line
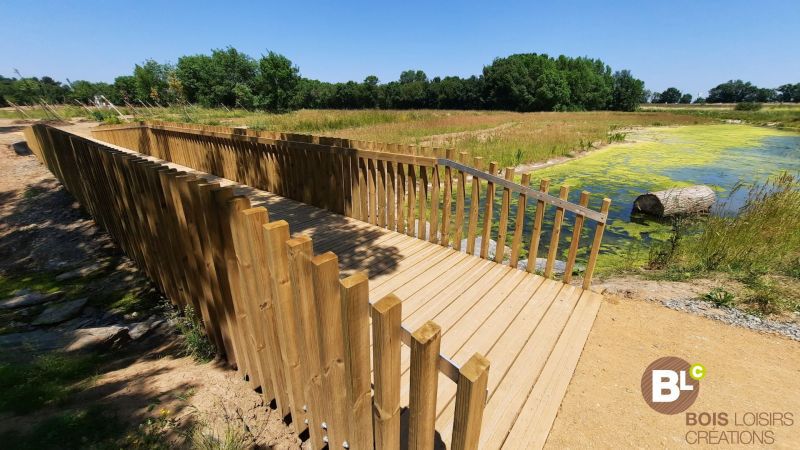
column 747, row 371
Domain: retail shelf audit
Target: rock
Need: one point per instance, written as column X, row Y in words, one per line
column 139, row 329
column 93, row 338
column 21, row 148
column 24, row 297
column 82, row 272
column 558, row 266
column 60, row 312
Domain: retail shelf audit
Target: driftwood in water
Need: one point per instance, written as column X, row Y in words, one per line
column 688, row 200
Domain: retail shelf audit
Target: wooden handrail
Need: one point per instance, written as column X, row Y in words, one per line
column 532, row 193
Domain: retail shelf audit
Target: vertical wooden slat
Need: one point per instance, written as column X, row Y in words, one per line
column 502, row 228
column 301, row 251
column 229, row 217
column 327, row 295
column 391, row 203
column 286, row 317
column 363, row 188
column 401, row 198
column 434, row 228
column 425, row 344
column 267, row 327
column 444, row 238
column 373, row 191
column 253, row 219
column 536, row 232
column 386, row 342
column 552, row 251
column 470, row 401
column 355, row 315
column 598, row 238
column 422, row 225
column 461, row 187
column 519, row 223
column 488, row 213
column 381, row 190
column 474, row 207
column 412, row 199
column 576, row 239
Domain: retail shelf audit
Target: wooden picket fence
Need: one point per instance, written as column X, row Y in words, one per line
column 275, row 311
column 403, row 188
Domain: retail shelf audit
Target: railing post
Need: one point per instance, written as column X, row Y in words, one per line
column 598, row 238
column 425, row 344
column 286, row 318
column 470, row 401
column 355, row 308
column 327, row 295
column 386, row 343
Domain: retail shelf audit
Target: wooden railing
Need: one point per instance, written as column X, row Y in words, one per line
column 411, row 192
column 276, row 311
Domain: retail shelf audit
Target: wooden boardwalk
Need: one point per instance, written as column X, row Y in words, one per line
column 531, row 329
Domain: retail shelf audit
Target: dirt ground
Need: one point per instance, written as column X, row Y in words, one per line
column 747, row 371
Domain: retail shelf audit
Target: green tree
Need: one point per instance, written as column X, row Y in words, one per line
column 526, row 82
column 685, row 99
column 276, row 82
column 222, row 78
column 152, row 81
column 628, row 91
column 670, row 95
column 124, row 88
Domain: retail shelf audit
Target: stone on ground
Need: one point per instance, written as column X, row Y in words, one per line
column 24, row 298
column 60, row 312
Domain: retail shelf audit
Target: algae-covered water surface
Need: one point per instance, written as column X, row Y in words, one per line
column 721, row 156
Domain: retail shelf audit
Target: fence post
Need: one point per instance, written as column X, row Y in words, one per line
column 425, row 344
column 470, row 401
column 276, row 234
column 386, row 343
column 325, row 271
column 301, row 250
column 265, row 322
column 355, row 308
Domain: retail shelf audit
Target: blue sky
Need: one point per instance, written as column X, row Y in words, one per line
column 693, row 45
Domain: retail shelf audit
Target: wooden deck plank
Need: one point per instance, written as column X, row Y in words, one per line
column 532, row 427
column 507, row 393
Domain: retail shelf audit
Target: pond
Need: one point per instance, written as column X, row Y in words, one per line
column 721, row 156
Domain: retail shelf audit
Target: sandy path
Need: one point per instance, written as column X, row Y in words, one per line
column 747, row 371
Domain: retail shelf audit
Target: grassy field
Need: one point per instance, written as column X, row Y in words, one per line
column 786, row 116
column 506, row 137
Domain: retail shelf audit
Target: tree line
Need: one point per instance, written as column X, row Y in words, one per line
column 521, row 82
column 733, row 91
column 228, row 77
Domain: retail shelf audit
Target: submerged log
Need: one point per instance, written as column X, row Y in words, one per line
column 677, row 201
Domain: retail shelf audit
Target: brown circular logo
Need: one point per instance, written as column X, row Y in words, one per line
column 669, row 385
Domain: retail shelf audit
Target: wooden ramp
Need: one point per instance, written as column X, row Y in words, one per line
column 530, row 328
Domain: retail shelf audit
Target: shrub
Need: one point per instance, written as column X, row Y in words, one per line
column 195, row 341
column 719, row 297
column 748, row 106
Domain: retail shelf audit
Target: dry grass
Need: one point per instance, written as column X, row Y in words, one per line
column 506, row 137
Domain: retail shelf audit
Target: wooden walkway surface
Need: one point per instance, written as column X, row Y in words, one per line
column 530, row 328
